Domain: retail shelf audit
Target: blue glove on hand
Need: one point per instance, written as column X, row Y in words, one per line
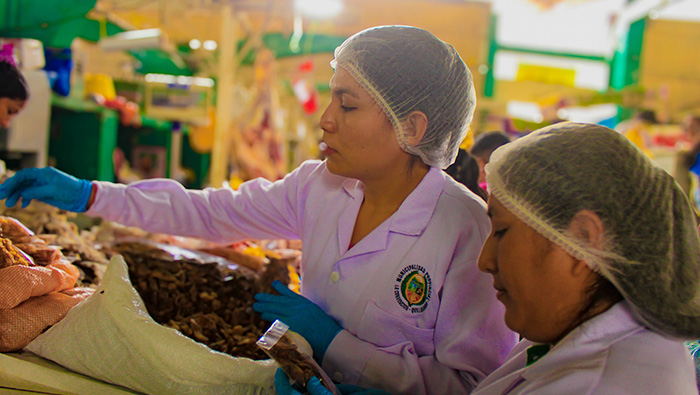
column 301, row 315
column 283, row 387
column 48, row 185
column 314, row 387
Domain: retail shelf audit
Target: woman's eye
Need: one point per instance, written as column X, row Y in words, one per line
column 346, row 108
column 499, row 233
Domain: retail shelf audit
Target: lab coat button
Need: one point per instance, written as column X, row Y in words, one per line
column 335, row 276
column 338, row 377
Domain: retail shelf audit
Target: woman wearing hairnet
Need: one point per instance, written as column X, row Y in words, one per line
column 390, row 242
column 595, row 255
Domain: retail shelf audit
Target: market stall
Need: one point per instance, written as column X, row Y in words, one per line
column 216, row 93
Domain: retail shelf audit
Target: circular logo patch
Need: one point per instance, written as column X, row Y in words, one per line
column 412, row 288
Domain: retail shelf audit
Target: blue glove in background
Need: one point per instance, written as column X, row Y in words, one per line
column 314, row 387
column 301, row 315
column 48, row 185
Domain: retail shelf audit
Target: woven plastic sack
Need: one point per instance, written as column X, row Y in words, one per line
column 111, row 337
column 33, row 298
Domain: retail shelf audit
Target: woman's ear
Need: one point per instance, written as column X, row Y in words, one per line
column 415, row 125
column 588, row 227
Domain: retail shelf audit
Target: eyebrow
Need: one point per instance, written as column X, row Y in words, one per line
column 345, row 91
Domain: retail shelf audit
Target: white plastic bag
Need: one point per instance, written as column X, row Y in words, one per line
column 111, row 337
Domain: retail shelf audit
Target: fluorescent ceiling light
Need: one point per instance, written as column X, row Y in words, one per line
column 132, row 39
column 179, row 80
column 319, row 8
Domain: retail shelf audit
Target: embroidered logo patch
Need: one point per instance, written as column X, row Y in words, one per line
column 412, row 288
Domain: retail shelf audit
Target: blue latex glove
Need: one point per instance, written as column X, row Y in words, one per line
column 283, row 387
column 301, row 315
column 48, row 185
column 314, row 387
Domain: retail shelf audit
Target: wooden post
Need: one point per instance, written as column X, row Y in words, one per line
column 220, row 154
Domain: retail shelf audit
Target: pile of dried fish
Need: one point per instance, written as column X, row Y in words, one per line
column 204, row 297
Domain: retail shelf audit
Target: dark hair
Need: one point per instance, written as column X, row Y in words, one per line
column 465, row 170
column 486, row 143
column 646, row 115
column 12, row 83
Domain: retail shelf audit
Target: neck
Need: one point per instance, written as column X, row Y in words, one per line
column 386, row 193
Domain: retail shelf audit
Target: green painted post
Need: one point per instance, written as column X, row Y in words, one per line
column 493, row 47
column 624, row 67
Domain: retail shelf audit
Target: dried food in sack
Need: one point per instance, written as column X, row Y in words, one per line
column 205, row 297
column 300, row 368
column 10, row 255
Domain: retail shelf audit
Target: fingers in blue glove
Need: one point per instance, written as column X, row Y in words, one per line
column 12, row 199
column 282, row 385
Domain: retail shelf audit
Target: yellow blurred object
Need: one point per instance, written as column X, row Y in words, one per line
column 235, row 182
column 638, row 135
column 294, row 279
column 254, row 251
column 202, row 137
column 100, row 84
column 468, row 140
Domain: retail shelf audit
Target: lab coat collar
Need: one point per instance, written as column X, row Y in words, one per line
column 591, row 338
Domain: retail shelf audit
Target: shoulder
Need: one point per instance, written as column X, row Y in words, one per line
column 648, row 362
column 462, row 206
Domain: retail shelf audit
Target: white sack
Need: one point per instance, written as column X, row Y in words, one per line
column 110, row 336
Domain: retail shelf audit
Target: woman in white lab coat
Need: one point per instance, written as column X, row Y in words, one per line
column 391, row 242
column 595, row 255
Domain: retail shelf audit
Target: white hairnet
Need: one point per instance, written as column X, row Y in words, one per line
column 408, row 69
column 651, row 247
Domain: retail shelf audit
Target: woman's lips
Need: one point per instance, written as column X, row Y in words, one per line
column 325, row 149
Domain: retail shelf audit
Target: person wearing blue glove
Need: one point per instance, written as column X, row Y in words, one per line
column 48, row 185
column 301, row 315
column 391, row 293
column 314, row 387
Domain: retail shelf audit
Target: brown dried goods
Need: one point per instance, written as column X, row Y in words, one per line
column 11, row 255
column 205, row 299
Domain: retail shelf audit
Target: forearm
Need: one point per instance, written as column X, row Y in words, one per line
column 165, row 206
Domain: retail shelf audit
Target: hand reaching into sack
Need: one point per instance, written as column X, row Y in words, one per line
column 301, row 315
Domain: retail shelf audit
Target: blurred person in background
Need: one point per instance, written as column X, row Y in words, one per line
column 465, row 170
column 14, row 91
column 636, row 129
column 687, row 164
column 484, row 145
column 390, row 242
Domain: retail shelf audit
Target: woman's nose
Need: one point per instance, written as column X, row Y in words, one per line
column 487, row 258
column 326, row 123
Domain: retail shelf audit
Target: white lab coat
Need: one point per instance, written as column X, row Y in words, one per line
column 610, row 354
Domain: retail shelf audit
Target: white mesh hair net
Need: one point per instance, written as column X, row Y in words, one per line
column 408, row 69
column 651, row 247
